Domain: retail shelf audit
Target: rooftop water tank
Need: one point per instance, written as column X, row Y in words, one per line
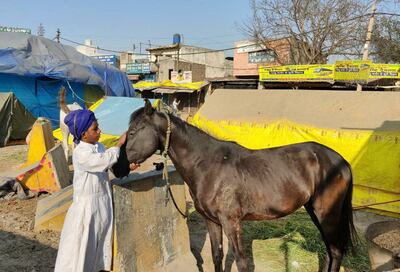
column 176, row 39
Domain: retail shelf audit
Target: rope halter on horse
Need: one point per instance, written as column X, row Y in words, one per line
column 164, row 155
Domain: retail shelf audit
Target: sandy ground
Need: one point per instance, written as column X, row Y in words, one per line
column 23, row 249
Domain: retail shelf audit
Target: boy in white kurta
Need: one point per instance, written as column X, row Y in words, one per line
column 85, row 243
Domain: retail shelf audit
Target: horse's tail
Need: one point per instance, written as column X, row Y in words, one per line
column 61, row 100
column 348, row 234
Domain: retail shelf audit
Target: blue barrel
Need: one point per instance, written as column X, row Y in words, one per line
column 176, row 39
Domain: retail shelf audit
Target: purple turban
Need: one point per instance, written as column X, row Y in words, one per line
column 78, row 121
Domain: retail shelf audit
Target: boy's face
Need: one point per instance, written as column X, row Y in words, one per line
column 92, row 135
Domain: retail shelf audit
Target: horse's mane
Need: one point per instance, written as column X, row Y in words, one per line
column 190, row 130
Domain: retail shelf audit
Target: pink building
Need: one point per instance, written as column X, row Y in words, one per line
column 248, row 56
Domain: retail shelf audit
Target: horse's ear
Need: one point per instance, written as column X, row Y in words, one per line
column 148, row 108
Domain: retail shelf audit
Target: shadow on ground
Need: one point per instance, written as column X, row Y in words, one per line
column 18, row 253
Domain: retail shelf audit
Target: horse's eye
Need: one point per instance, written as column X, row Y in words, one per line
column 134, row 130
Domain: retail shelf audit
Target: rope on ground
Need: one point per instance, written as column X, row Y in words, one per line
column 374, row 204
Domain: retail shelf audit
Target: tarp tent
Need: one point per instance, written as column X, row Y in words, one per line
column 40, row 95
column 15, row 120
column 113, row 115
column 34, row 68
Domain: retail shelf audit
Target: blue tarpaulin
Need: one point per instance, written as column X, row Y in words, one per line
column 33, row 56
column 34, row 68
column 39, row 96
column 114, row 113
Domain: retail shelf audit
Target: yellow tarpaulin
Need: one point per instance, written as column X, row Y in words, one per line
column 373, row 155
column 170, row 84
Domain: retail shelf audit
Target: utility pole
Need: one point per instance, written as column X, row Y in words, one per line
column 40, row 31
column 58, row 35
column 368, row 38
column 149, row 57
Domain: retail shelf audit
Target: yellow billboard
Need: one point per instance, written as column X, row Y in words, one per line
column 312, row 72
column 378, row 71
column 352, row 70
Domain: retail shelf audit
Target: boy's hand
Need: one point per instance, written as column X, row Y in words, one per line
column 133, row 166
column 121, row 140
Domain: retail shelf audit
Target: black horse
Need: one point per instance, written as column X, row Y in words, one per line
column 230, row 183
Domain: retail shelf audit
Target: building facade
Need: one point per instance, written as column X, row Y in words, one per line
column 202, row 62
column 248, row 56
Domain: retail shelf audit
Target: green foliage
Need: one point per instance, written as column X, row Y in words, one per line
column 300, row 243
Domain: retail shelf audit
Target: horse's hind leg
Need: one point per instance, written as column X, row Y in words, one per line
column 215, row 232
column 326, row 211
column 333, row 256
column 233, row 231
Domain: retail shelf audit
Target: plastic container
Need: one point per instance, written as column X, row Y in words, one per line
column 176, row 39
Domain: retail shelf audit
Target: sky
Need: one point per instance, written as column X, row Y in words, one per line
column 120, row 24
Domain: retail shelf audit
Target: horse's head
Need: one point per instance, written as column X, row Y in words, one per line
column 143, row 134
column 142, row 139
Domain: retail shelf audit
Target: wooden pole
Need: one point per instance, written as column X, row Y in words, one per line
column 368, row 38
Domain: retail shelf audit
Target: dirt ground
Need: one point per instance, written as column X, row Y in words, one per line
column 23, row 249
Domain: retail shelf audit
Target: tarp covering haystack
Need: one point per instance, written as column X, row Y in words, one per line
column 34, row 69
column 363, row 127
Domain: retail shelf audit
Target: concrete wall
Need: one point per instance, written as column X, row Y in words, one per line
column 166, row 64
column 214, row 61
column 203, row 65
column 324, row 109
column 149, row 235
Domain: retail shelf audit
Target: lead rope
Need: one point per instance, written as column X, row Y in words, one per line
column 164, row 156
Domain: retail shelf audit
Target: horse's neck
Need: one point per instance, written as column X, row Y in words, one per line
column 188, row 146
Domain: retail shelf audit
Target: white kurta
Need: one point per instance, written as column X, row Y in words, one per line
column 85, row 243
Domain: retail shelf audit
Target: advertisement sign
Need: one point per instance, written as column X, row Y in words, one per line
column 261, row 57
column 352, row 70
column 313, row 72
column 138, row 68
column 15, row 29
column 378, row 71
column 183, row 77
column 110, row 59
column 249, row 48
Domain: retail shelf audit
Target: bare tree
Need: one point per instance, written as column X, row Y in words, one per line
column 314, row 29
column 386, row 40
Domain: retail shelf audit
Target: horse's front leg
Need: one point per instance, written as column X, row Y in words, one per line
column 233, row 231
column 215, row 232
